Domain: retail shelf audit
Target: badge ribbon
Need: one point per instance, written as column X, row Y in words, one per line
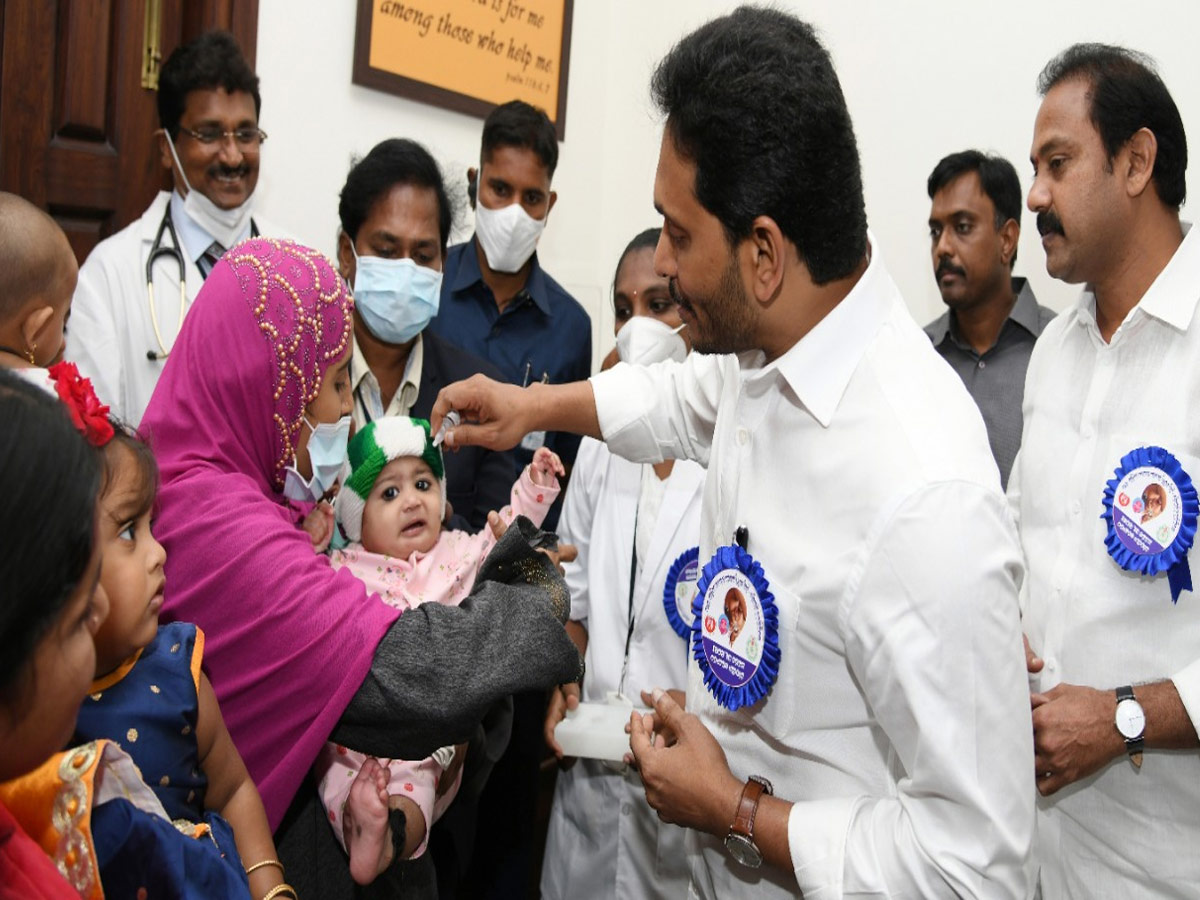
column 1151, row 509
column 735, row 635
column 679, row 591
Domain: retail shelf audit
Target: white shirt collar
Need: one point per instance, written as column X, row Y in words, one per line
column 366, row 387
column 194, row 238
column 1172, row 296
column 818, row 367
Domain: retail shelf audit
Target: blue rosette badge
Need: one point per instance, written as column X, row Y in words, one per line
column 1151, row 508
column 735, row 635
column 679, row 591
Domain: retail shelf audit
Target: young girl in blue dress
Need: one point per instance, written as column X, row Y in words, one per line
column 151, row 697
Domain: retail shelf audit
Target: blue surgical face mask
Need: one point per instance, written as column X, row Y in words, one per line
column 395, row 297
column 327, row 454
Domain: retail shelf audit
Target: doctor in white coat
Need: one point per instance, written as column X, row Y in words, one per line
column 604, row 840
column 128, row 306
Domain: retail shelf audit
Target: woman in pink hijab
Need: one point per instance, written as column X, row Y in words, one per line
column 297, row 652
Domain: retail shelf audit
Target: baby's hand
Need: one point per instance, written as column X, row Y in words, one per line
column 319, row 525
column 545, row 466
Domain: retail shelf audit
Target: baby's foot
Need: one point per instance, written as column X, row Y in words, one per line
column 365, row 823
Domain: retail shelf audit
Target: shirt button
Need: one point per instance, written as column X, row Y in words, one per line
column 1051, row 665
column 743, row 436
column 1076, row 508
column 982, row 364
column 626, row 809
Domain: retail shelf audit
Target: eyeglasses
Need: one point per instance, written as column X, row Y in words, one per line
column 247, row 138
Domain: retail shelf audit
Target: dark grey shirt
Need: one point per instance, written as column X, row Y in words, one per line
column 996, row 379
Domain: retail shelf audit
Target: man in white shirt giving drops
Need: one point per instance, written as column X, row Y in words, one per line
column 854, row 468
column 1101, row 487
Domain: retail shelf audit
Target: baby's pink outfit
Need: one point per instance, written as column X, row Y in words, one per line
column 444, row 575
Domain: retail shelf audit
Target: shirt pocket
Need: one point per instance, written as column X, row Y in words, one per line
column 778, row 710
column 1120, row 602
column 775, row 713
column 1131, row 501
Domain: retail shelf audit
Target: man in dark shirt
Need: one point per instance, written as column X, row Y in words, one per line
column 497, row 301
column 993, row 319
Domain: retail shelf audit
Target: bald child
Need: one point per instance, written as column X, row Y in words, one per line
column 37, row 280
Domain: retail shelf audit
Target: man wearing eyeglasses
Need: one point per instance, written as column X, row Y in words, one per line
column 136, row 286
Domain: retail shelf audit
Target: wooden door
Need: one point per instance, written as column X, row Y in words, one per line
column 76, row 123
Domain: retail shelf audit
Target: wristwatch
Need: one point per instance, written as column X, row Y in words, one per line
column 1131, row 723
column 740, row 840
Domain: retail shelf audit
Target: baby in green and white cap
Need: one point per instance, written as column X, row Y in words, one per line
column 394, row 501
column 391, row 508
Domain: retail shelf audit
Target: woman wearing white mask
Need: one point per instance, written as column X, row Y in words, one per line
column 395, row 222
column 631, row 523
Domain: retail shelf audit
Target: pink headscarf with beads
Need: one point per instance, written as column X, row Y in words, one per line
column 288, row 640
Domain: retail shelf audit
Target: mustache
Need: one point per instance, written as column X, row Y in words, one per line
column 945, row 267
column 676, row 295
column 224, row 171
column 1049, row 223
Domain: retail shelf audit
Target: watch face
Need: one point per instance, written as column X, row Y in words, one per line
column 743, row 850
column 1131, row 720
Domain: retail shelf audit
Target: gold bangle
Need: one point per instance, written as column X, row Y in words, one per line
column 279, row 889
column 265, row 863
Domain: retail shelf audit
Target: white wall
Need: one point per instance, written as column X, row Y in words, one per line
column 922, row 79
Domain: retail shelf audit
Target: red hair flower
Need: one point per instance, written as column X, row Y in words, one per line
column 87, row 412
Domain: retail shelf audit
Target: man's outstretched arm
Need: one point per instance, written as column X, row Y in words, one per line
column 497, row 415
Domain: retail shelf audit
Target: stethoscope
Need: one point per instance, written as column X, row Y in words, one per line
column 156, row 250
column 175, row 252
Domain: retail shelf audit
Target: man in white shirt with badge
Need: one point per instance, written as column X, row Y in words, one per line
column 865, row 735
column 1102, row 487
column 136, row 286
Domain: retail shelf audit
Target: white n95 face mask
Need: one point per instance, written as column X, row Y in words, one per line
column 395, row 297
column 508, row 235
column 644, row 340
column 224, row 226
column 327, row 453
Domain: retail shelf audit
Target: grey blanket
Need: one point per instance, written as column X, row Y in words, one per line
column 436, row 673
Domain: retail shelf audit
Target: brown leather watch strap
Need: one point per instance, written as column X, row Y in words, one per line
column 743, row 822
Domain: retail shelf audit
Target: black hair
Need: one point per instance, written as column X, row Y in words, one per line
column 643, row 240
column 49, row 477
column 753, row 101
column 212, row 60
column 997, row 177
column 143, row 459
column 1127, row 94
column 517, row 124
column 392, row 162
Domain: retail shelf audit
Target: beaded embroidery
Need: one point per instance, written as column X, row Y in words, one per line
column 303, row 308
column 69, row 815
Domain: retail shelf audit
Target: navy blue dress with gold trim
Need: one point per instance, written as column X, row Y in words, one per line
column 149, row 706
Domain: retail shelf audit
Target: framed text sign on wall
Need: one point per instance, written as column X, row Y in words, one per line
column 467, row 55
